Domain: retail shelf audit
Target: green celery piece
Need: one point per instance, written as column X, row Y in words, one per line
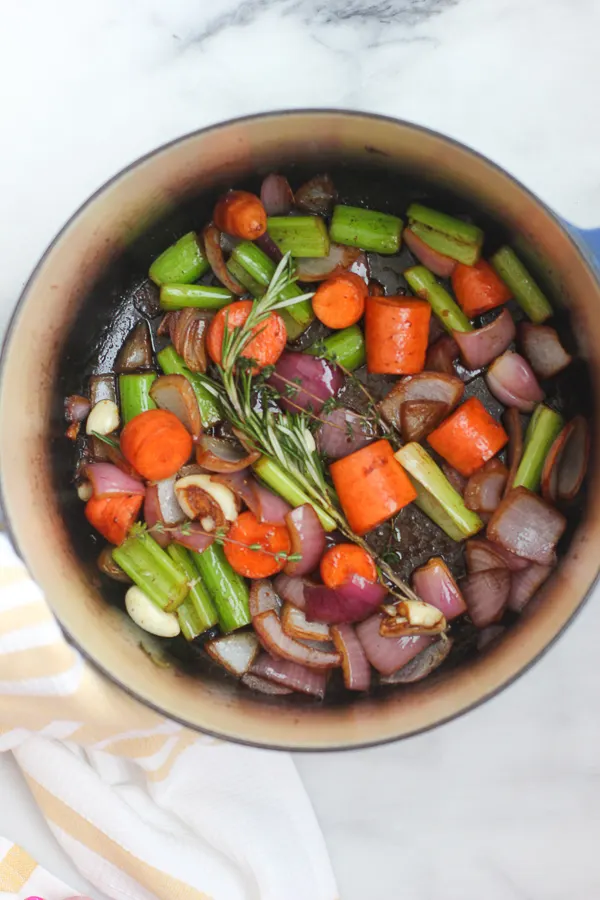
column 283, row 484
column 544, row 427
column 200, row 296
column 452, row 237
column 526, row 292
column 424, row 285
column 151, row 569
column 172, row 364
column 376, row 232
column 181, row 263
column 302, row 236
column 227, row 590
column 346, row 347
column 134, row 393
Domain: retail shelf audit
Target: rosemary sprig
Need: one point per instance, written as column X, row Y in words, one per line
column 284, row 437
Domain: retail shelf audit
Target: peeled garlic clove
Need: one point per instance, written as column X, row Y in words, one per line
column 85, row 491
column 148, row 616
column 412, row 617
column 104, row 418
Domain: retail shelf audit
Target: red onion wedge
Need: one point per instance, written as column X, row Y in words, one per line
column 153, row 517
column 176, row 394
column 528, row 526
column 267, row 506
column 425, row 386
column 418, row 418
column 351, row 602
column 514, row 428
column 293, row 590
column 422, row 665
column 108, row 480
column 235, row 652
column 307, row 536
column 136, row 352
column 511, row 380
column 436, row 262
column 187, row 329
column 241, row 484
column 524, row 585
column 318, row 268
column 296, row 625
column 262, row 686
column 192, row 536
column 385, row 654
column 263, row 598
column 458, row 481
column 355, row 665
column 220, row 455
column 317, row 195
column 489, row 635
column 266, row 243
column 434, row 584
column 76, row 408
column 288, row 674
column 481, row 347
column 211, row 237
column 441, row 355
column 305, row 382
column 566, row 463
column 276, row 195
column 542, row 347
column 273, row 638
column 481, row 554
column 486, row 594
column 485, row 488
column 343, row 432
column 171, row 512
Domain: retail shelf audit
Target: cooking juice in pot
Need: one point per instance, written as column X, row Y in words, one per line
column 329, row 440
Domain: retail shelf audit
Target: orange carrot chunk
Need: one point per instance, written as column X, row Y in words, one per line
column 478, row 288
column 265, row 348
column 340, row 562
column 113, row 516
column 255, row 549
column 397, row 332
column 469, row 437
column 340, row 301
column 371, row 485
column 241, row 214
column 156, row 444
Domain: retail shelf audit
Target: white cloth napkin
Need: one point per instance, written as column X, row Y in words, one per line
column 145, row 808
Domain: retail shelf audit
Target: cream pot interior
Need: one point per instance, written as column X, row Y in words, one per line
column 126, row 224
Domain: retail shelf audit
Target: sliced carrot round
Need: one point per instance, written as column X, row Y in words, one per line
column 254, row 549
column 113, row 516
column 340, row 562
column 156, row 444
column 340, row 301
column 265, row 348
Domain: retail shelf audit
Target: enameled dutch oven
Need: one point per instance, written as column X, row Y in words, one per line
column 76, row 291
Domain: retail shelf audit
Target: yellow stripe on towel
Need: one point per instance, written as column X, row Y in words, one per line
column 16, row 869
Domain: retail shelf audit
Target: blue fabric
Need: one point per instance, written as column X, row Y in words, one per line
column 589, row 241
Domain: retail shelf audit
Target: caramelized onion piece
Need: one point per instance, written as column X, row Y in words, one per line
column 76, row 408
column 479, row 348
column 256, row 683
column 175, row 394
column 317, row 195
column 343, row 432
column 511, row 380
column 528, row 526
column 566, row 463
column 485, row 488
column 296, row 625
column 235, row 652
column 276, row 195
column 512, row 422
column 337, row 260
column 307, row 537
column 263, row 598
column 136, row 352
column 212, row 247
column 423, row 664
column 486, row 595
column 436, row 262
column 542, row 347
column 435, row 584
column 273, row 638
column 418, row 418
column 188, row 329
column 286, row 674
column 220, row 455
column 441, row 355
column 425, row 386
column 481, row 554
column 524, row 585
column 387, row 655
column 109, row 567
column 355, row 665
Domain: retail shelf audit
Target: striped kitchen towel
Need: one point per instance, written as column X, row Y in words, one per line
column 145, row 808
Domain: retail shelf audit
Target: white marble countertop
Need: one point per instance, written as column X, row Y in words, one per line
column 504, row 803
